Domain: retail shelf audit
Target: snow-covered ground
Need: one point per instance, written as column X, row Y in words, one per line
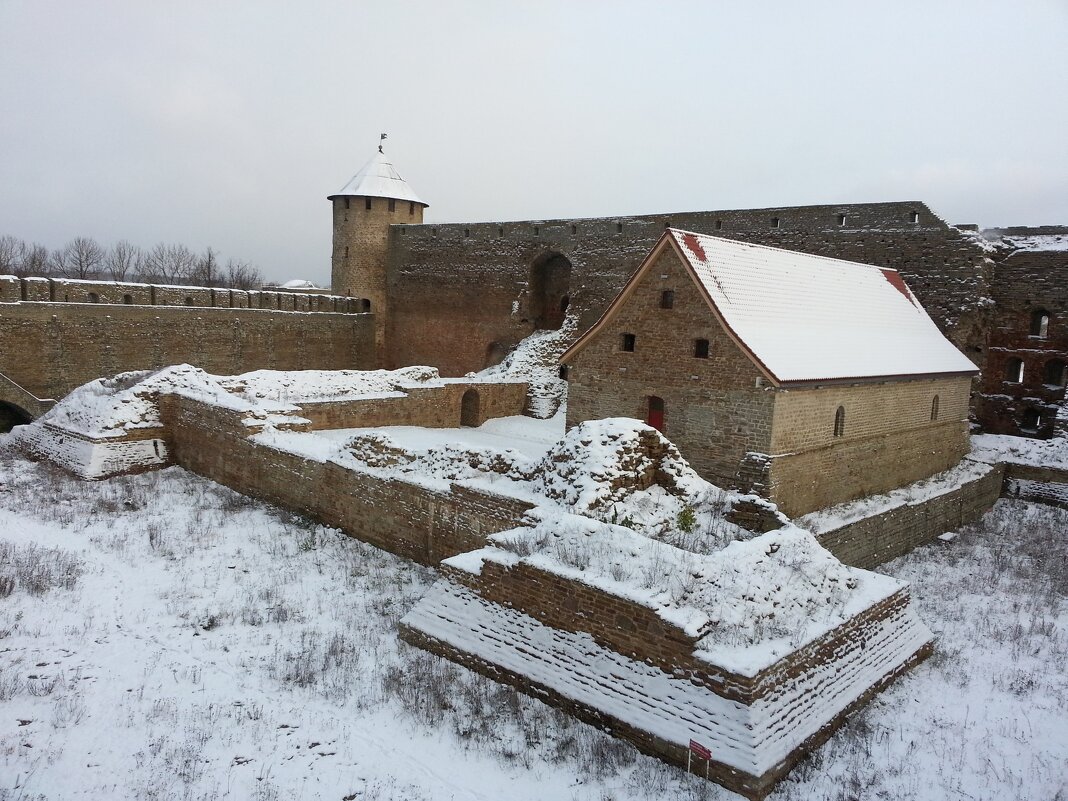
column 162, row 637
column 1021, row 450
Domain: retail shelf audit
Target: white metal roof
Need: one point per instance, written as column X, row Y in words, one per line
column 378, row 178
column 809, row 318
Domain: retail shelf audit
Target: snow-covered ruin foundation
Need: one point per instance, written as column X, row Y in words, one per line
column 593, row 569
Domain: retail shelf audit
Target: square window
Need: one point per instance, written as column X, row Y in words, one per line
column 392, row 204
column 775, row 222
column 667, row 299
column 627, row 343
column 700, row 348
column 841, row 219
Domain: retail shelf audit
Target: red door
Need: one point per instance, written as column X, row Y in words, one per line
column 655, row 415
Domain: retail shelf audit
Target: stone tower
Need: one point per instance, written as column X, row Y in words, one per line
column 376, row 198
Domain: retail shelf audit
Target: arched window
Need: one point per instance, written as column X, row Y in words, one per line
column 188, row 300
column 1040, row 323
column 700, row 348
column 934, row 408
column 1055, row 373
column 127, row 299
column 1031, row 420
column 654, row 415
column 1014, row 371
column 839, row 421
column 469, row 409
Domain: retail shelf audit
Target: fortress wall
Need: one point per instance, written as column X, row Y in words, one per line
column 430, row 407
column 880, row 537
column 404, row 518
column 50, row 348
column 1026, row 281
column 456, row 289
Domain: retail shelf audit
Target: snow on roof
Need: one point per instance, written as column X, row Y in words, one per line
column 378, row 178
column 298, row 283
column 807, row 318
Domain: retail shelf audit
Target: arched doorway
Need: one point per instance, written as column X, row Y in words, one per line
column 469, row 411
column 654, row 415
column 11, row 416
column 549, row 291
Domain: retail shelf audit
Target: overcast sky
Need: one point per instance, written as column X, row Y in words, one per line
column 228, row 123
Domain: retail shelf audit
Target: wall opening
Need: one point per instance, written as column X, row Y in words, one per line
column 127, row 299
column 495, row 354
column 1055, row 373
column 11, row 416
column 839, row 422
column 700, row 348
column 549, row 285
column 667, row 299
column 654, row 414
column 1014, row 371
column 469, row 409
column 626, row 343
column 365, row 305
column 94, row 298
column 188, row 301
column 1031, row 420
column 1040, row 323
column 934, row 408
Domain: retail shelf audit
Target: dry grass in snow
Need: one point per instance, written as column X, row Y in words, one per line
column 164, row 638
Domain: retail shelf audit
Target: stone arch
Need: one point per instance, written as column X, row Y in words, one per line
column 549, row 290
column 469, row 409
column 12, row 415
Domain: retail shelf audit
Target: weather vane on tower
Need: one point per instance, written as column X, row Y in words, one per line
column 381, row 139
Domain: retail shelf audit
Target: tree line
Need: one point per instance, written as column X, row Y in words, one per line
column 83, row 257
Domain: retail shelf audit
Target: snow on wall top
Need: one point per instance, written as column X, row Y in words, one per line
column 1039, row 242
column 809, row 318
column 378, row 178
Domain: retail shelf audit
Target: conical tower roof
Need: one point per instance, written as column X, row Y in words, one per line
column 378, row 178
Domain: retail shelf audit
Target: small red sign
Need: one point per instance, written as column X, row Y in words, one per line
column 700, row 750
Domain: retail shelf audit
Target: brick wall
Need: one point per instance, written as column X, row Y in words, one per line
column 430, row 407
column 50, row 348
column 889, row 440
column 1025, row 282
column 456, row 289
column 879, row 538
column 713, row 410
column 403, row 518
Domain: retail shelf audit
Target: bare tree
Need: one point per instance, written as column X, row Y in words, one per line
column 35, row 260
column 83, row 257
column 12, row 250
column 168, row 264
column 207, row 272
column 121, row 260
column 242, row 275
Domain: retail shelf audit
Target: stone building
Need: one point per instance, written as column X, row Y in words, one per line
column 808, row 379
column 1023, row 385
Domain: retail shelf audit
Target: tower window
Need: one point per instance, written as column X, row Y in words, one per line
column 667, row 299
column 1055, row 373
column 841, row 219
column 1014, row 371
column 914, row 217
column 627, row 343
column 619, row 228
column 1040, row 323
column 574, row 229
column 700, row 348
column 346, row 203
column 775, row 222
column 934, row 408
column 367, row 203
column 839, row 422
column 1031, row 420
column 467, row 232
column 392, row 204
column 719, row 225
column 537, row 230
column 411, row 209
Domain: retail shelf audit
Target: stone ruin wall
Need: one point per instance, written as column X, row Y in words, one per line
column 49, row 347
column 1025, row 282
column 458, row 292
column 402, row 517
